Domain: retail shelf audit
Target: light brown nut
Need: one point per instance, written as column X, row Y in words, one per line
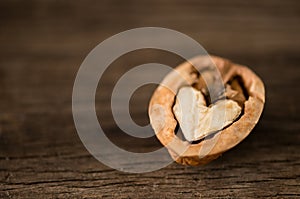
column 164, row 122
column 196, row 119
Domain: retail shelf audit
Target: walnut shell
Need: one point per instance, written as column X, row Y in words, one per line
column 164, row 123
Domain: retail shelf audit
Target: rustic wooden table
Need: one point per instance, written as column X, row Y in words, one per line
column 42, row 46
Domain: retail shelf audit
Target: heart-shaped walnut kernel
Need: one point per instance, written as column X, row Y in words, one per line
column 196, row 119
column 242, row 99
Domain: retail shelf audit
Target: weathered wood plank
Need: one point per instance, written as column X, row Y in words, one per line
column 42, row 46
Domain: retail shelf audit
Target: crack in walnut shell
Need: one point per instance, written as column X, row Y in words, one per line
column 164, row 122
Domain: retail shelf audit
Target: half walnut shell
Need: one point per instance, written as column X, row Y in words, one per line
column 241, row 84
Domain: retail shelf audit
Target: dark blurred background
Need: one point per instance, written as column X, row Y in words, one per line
column 42, row 46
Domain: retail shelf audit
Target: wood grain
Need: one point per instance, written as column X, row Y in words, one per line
column 42, row 46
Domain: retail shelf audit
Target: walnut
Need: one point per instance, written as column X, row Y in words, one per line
column 196, row 119
column 242, row 100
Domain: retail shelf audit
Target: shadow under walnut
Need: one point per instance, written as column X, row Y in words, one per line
column 251, row 96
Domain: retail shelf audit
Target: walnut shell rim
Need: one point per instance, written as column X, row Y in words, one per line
column 229, row 137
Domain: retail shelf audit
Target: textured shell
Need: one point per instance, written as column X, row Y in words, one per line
column 164, row 123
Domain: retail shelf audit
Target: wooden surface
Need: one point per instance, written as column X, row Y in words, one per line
column 42, row 46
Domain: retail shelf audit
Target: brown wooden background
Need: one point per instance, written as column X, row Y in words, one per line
column 42, row 46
